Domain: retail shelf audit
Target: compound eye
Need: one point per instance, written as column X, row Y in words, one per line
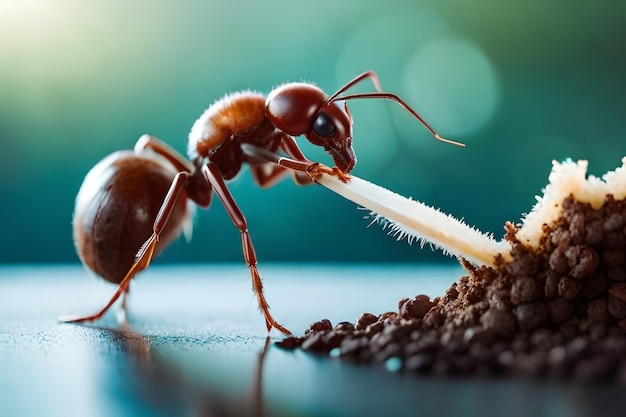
column 324, row 125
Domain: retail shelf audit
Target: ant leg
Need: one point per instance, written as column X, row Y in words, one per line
column 163, row 149
column 292, row 149
column 214, row 176
column 266, row 175
column 312, row 169
column 144, row 255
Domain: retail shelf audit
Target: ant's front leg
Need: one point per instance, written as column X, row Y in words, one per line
column 316, row 169
column 313, row 169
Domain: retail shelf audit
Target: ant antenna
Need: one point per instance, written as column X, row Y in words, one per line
column 380, row 94
column 390, row 96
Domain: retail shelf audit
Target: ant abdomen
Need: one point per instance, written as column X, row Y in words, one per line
column 116, row 207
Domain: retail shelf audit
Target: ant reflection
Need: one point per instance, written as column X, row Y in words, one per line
column 258, row 380
column 134, row 347
column 212, row 408
column 141, row 379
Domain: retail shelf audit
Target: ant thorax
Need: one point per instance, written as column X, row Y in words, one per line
column 231, row 115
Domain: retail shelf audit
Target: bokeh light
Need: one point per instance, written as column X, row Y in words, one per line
column 454, row 84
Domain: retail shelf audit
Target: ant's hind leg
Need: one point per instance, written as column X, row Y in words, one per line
column 145, row 253
column 214, row 176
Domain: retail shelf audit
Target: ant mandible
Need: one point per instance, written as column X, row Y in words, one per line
column 131, row 195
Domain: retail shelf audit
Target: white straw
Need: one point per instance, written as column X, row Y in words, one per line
column 417, row 221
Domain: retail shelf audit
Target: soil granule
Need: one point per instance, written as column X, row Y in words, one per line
column 559, row 310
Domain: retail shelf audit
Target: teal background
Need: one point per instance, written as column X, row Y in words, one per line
column 521, row 83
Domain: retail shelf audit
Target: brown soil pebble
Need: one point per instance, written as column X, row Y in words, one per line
column 559, row 311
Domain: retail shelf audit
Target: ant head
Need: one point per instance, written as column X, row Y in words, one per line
column 303, row 109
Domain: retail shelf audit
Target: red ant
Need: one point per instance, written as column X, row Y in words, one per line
column 121, row 200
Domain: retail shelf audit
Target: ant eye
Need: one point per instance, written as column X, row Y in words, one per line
column 324, row 125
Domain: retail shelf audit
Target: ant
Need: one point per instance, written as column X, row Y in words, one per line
column 146, row 192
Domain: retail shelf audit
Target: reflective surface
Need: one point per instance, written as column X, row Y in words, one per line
column 196, row 346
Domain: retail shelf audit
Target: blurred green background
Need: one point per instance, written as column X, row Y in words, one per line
column 521, row 83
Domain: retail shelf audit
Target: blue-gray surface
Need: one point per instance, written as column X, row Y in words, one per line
column 196, row 346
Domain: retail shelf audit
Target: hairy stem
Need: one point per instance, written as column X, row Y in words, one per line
column 417, row 221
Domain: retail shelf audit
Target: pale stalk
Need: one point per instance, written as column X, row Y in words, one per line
column 418, row 221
